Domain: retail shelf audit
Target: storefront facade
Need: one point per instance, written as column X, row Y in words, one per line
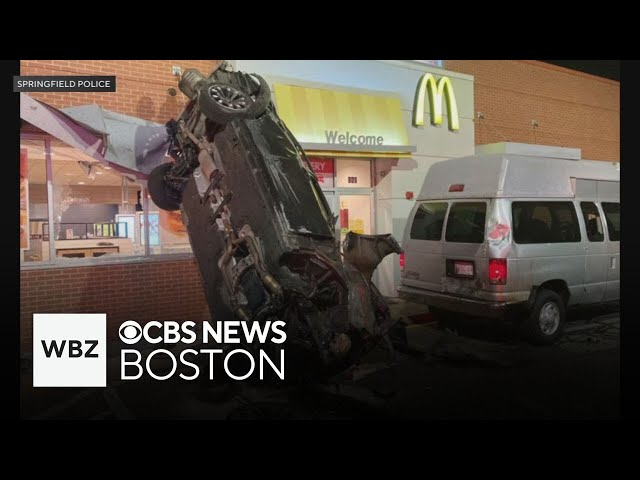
column 98, row 256
column 359, row 123
column 354, row 119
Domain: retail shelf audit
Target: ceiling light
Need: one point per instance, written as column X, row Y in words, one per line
column 80, row 183
column 107, row 168
column 99, row 172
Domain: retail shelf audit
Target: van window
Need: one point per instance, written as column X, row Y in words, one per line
column 466, row 222
column 612, row 214
column 592, row 222
column 428, row 221
column 545, row 222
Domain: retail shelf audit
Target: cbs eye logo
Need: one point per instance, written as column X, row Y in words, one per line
column 130, row 332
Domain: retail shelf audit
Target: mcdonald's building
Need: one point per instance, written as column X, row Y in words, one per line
column 91, row 238
column 372, row 129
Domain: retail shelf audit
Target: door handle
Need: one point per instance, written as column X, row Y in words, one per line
column 613, row 262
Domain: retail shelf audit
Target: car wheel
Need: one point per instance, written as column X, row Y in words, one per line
column 161, row 194
column 222, row 102
column 546, row 319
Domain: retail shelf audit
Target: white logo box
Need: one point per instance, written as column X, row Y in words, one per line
column 67, row 367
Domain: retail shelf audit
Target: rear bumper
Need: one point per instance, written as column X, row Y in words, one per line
column 465, row 305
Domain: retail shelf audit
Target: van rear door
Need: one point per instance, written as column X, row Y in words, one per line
column 465, row 263
column 423, row 261
column 612, row 214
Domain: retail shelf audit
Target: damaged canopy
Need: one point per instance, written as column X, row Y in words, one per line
column 91, row 141
column 132, row 142
column 129, row 144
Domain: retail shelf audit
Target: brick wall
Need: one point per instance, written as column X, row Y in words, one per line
column 141, row 84
column 573, row 109
column 142, row 291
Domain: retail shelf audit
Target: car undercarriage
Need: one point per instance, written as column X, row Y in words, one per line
column 261, row 229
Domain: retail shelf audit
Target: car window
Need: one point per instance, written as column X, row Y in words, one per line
column 428, row 221
column 592, row 222
column 545, row 222
column 612, row 214
column 466, row 222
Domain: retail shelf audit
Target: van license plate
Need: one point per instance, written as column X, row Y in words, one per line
column 463, row 269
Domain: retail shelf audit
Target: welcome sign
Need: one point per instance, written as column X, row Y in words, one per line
column 342, row 120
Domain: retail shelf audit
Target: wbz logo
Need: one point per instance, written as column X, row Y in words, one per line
column 69, row 350
column 75, row 348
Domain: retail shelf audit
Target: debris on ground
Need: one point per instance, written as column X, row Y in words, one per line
column 464, row 351
column 597, row 334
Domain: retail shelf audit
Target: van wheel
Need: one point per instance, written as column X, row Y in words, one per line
column 546, row 319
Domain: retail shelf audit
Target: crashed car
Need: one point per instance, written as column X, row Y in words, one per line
column 261, row 229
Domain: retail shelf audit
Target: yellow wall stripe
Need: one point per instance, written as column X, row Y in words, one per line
column 310, row 112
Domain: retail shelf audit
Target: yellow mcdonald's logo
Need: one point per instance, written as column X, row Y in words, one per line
column 428, row 84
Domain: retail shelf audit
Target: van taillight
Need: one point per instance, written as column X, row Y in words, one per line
column 498, row 271
column 402, row 262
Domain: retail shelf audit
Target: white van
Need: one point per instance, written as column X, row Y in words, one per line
column 501, row 233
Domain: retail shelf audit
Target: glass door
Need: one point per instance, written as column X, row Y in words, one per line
column 355, row 214
column 332, row 200
column 346, row 184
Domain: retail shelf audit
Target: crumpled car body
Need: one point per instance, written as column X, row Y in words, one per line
column 261, row 229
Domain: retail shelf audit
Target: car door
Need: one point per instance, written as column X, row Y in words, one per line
column 596, row 256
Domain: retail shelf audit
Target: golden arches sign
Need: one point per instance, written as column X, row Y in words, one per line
column 438, row 92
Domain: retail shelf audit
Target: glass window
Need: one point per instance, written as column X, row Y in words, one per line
column 466, row 222
column 612, row 214
column 168, row 233
column 90, row 199
column 545, row 222
column 96, row 211
column 353, row 172
column 154, row 230
column 428, row 221
column 592, row 222
column 34, row 206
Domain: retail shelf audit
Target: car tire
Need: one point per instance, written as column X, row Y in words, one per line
column 223, row 102
column 161, row 194
column 545, row 323
column 262, row 98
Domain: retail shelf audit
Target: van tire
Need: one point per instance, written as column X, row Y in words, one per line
column 545, row 323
